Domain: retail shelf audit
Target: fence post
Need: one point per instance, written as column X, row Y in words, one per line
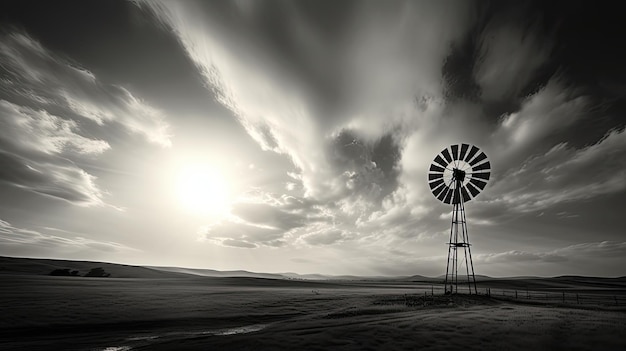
column 563, row 296
column 527, row 294
column 516, row 294
column 424, row 298
column 432, row 291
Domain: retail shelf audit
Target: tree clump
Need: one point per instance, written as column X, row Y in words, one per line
column 64, row 272
column 97, row 272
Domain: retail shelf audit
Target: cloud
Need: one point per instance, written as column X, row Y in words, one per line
column 51, row 109
column 600, row 250
column 362, row 117
column 33, row 243
column 61, row 180
column 267, row 215
column 541, row 118
column 47, row 133
column 35, row 77
column 565, row 174
column 325, row 237
column 520, row 256
column 238, row 243
column 510, row 55
column 583, row 256
column 241, row 234
column 301, row 110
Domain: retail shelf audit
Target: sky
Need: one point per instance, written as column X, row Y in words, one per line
column 296, row 136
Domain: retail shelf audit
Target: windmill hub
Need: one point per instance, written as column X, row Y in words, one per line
column 458, row 174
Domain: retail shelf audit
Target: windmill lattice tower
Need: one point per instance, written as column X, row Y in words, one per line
column 458, row 174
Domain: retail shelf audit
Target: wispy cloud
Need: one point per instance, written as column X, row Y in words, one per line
column 35, row 77
column 51, row 109
column 26, row 242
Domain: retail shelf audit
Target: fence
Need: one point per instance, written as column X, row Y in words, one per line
column 564, row 297
column 553, row 296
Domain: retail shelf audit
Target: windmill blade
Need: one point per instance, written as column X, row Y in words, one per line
column 441, row 162
column 484, row 176
column 472, row 189
column 439, row 189
column 449, row 196
column 434, row 176
column 455, row 152
column 435, row 168
column 471, row 154
column 478, row 158
column 479, row 183
column 446, row 155
column 466, row 196
column 435, row 184
column 464, row 148
column 443, row 194
column 482, row 166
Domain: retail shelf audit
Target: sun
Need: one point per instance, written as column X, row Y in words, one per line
column 203, row 190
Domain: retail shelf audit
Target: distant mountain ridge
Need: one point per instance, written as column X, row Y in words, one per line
column 41, row 266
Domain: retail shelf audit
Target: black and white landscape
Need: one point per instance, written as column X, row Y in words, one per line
column 260, row 174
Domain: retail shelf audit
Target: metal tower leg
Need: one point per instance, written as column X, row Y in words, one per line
column 456, row 242
column 469, row 251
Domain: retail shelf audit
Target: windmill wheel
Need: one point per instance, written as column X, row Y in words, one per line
column 458, row 173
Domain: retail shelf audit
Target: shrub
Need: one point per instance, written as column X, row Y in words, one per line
column 97, row 272
column 61, row 272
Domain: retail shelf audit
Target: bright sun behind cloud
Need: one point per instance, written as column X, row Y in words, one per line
column 203, row 190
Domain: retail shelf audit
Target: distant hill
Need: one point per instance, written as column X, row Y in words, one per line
column 214, row 273
column 40, row 266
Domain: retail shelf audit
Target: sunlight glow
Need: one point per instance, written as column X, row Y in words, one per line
column 203, row 190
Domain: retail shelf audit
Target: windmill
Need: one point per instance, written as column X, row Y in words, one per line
column 457, row 175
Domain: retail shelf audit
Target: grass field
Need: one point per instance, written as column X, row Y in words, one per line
column 205, row 313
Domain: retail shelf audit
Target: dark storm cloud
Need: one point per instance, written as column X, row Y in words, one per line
column 368, row 169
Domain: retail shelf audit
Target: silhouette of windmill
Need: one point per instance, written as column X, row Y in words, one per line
column 458, row 174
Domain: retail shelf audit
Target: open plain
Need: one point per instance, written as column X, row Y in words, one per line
column 242, row 313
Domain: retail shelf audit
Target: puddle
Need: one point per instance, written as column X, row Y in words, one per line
column 242, row 330
column 145, row 340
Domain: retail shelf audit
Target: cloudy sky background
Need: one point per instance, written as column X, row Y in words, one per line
column 318, row 121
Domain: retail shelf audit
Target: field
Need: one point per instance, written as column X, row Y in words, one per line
column 206, row 313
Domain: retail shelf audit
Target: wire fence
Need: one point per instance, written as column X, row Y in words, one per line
column 563, row 297
column 553, row 296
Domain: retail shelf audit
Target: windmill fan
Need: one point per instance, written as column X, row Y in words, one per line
column 457, row 175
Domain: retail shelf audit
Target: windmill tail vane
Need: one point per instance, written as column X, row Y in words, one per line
column 457, row 175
